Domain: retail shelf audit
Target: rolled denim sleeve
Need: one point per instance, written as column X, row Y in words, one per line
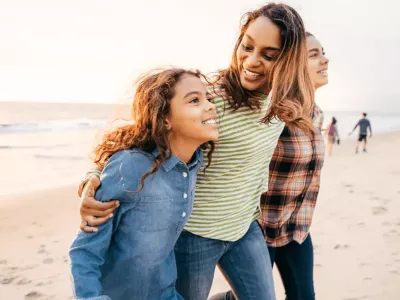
column 88, row 250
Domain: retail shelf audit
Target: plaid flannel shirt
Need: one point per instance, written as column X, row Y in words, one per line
column 294, row 181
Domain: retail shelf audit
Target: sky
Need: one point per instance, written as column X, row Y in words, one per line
column 92, row 50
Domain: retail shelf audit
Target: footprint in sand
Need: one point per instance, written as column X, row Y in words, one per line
column 13, row 269
column 24, row 281
column 3, row 262
column 375, row 198
column 359, row 225
column 379, row 210
column 386, row 224
column 29, row 237
column 33, row 295
column 31, row 267
column 341, row 247
column 48, row 261
column 42, row 251
column 364, row 264
column 318, row 265
column 367, row 278
column 386, row 201
column 348, row 185
column 7, row 280
column 41, row 283
column 37, row 224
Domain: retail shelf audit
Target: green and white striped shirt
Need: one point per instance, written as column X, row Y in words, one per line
column 227, row 196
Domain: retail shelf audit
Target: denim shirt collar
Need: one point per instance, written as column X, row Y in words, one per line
column 171, row 162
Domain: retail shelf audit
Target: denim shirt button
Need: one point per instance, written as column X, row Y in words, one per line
column 185, row 195
column 184, row 174
column 183, row 214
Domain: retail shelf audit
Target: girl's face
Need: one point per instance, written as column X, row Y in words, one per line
column 192, row 116
column 256, row 53
column 317, row 62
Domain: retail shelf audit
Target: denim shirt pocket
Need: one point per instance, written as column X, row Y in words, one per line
column 158, row 213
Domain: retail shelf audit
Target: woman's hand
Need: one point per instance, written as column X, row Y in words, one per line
column 93, row 212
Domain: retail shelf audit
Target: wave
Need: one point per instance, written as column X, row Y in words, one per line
column 54, row 125
column 59, row 157
column 2, row 147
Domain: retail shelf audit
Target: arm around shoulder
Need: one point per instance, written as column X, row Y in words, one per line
column 88, row 250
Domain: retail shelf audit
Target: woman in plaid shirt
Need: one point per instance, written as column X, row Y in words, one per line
column 294, row 181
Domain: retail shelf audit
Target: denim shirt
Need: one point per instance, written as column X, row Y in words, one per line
column 132, row 255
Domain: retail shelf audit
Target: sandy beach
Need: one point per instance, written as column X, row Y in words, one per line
column 356, row 231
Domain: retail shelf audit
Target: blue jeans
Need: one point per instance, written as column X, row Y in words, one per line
column 245, row 264
column 295, row 263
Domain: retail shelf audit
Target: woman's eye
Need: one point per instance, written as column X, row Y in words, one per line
column 267, row 57
column 246, row 48
column 210, row 99
column 195, row 100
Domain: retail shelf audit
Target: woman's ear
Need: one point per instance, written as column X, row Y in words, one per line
column 168, row 124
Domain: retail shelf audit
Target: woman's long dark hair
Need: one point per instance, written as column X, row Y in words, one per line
column 292, row 90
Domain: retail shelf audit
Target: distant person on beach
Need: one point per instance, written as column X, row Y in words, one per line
column 364, row 124
column 294, row 181
column 266, row 86
column 332, row 134
column 151, row 167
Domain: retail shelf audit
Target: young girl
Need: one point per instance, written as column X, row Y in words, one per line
column 333, row 135
column 270, row 56
column 151, row 166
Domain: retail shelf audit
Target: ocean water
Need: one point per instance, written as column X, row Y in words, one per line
column 44, row 145
column 47, row 145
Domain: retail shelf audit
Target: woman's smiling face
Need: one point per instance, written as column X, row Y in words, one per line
column 256, row 54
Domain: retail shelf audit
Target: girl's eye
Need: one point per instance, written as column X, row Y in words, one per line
column 210, row 99
column 195, row 100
